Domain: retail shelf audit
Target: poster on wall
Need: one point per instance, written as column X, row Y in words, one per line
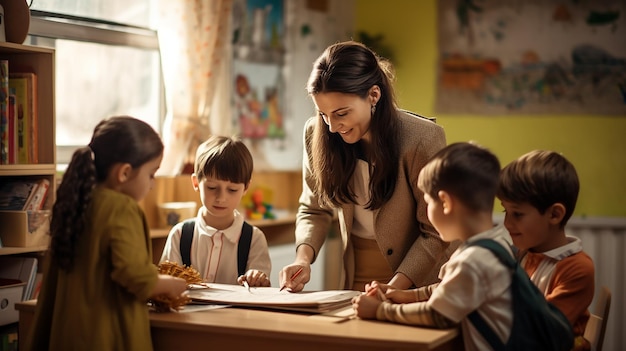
column 257, row 100
column 258, row 29
column 258, row 82
column 532, row 57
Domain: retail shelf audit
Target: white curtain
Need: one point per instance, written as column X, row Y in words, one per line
column 196, row 53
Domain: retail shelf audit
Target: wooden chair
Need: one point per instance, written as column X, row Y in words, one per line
column 596, row 326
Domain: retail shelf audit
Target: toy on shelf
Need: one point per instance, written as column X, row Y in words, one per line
column 257, row 203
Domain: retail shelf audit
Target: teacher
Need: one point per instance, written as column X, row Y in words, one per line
column 362, row 157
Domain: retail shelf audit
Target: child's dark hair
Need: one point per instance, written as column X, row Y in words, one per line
column 115, row 140
column 224, row 158
column 465, row 170
column 541, row 178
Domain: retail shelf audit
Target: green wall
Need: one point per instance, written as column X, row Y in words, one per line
column 596, row 145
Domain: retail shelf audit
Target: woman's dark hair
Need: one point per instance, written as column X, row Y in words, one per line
column 115, row 140
column 352, row 68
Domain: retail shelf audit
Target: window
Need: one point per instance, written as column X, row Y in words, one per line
column 107, row 63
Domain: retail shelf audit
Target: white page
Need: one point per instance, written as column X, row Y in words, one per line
column 268, row 297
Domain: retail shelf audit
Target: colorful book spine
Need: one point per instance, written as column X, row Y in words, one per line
column 4, row 112
column 25, row 90
column 38, row 197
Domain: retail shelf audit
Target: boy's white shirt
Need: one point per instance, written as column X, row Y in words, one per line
column 214, row 252
column 473, row 279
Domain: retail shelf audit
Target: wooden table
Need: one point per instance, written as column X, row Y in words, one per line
column 250, row 329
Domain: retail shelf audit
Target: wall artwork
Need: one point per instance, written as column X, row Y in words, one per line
column 258, row 28
column 257, row 100
column 532, row 57
column 258, row 82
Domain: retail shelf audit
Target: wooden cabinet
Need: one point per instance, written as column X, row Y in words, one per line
column 40, row 61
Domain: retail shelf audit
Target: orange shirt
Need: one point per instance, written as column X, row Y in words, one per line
column 566, row 277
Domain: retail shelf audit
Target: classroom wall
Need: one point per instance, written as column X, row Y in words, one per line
column 596, row 145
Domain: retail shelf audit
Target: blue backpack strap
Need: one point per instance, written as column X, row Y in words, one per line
column 243, row 248
column 501, row 253
column 475, row 318
column 537, row 324
column 185, row 241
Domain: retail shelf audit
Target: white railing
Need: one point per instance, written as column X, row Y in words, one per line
column 604, row 239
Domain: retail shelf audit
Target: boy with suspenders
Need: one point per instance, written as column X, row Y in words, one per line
column 218, row 243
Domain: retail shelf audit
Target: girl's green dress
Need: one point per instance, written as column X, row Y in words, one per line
column 102, row 303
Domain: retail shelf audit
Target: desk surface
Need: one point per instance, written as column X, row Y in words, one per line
column 239, row 328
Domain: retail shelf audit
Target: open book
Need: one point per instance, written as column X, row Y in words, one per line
column 272, row 298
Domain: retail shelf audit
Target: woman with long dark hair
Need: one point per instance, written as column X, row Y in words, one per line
column 362, row 157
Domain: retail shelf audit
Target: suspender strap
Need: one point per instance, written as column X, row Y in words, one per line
column 243, row 248
column 185, row 241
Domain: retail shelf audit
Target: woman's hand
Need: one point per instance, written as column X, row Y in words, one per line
column 254, row 278
column 290, row 279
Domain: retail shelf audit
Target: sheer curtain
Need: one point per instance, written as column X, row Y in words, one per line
column 196, row 52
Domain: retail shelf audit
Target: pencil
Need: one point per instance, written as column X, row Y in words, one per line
column 294, row 276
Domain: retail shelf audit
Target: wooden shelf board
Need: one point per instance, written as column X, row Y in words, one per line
column 19, row 250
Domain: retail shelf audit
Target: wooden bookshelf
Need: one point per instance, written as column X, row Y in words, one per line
column 24, row 58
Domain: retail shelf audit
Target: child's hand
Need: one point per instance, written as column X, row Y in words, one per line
column 376, row 290
column 365, row 306
column 370, row 289
column 401, row 296
column 169, row 285
column 254, row 278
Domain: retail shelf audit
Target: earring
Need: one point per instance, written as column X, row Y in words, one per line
column 373, row 109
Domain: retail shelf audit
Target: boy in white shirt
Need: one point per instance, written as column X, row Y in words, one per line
column 222, row 173
column 459, row 185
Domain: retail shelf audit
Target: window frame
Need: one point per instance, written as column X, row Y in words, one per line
column 50, row 25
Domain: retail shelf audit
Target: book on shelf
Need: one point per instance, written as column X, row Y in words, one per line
column 23, row 269
column 4, row 112
column 38, row 198
column 23, row 194
column 12, row 147
column 25, row 86
column 36, row 286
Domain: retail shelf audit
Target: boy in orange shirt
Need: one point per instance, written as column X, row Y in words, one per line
column 538, row 192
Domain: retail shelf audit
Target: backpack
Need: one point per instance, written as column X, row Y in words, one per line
column 537, row 324
column 243, row 246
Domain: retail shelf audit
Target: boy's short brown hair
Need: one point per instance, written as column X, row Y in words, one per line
column 541, row 178
column 467, row 171
column 224, row 158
